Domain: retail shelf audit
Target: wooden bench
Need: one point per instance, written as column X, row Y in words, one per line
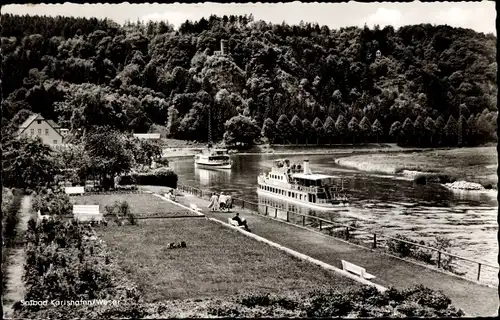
column 357, row 270
column 74, row 190
column 87, row 213
column 234, row 223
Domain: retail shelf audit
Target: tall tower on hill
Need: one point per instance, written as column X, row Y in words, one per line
column 224, row 47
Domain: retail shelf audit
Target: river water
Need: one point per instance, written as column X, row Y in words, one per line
column 383, row 203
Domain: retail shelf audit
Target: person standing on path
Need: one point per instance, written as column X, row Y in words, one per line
column 214, row 202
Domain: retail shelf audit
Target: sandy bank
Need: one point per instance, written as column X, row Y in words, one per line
column 470, row 169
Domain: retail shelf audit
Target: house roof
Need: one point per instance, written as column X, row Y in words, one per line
column 53, row 124
column 34, row 117
column 30, row 119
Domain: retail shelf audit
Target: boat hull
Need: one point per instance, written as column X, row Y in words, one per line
column 316, row 206
column 214, row 165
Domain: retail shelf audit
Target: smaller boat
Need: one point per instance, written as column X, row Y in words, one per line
column 214, row 158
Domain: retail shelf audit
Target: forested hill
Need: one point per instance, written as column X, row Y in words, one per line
column 84, row 72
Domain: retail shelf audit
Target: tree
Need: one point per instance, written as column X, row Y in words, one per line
column 241, row 130
column 28, row 163
column 308, row 129
column 329, row 129
column 353, row 127
column 341, row 126
column 107, row 154
column 284, row 128
column 472, row 131
column 430, row 128
column 365, row 129
column 439, row 129
column 450, row 131
column 297, row 128
column 377, row 129
column 461, row 131
column 395, row 130
column 269, row 130
column 407, row 131
column 418, row 129
column 318, row 129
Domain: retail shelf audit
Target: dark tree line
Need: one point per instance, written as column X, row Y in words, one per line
column 142, row 77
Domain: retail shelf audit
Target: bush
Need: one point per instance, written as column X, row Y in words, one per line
column 119, row 208
column 159, row 177
column 131, row 219
column 66, row 261
column 52, row 203
column 403, row 249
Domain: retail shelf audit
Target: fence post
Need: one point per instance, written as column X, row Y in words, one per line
column 303, row 221
column 478, row 271
column 266, row 210
column 347, row 233
column 320, row 226
column 287, row 216
column 439, row 259
column 374, row 241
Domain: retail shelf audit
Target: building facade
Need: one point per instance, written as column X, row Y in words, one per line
column 38, row 126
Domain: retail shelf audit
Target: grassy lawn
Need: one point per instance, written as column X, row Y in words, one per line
column 217, row 262
column 470, row 164
column 142, row 205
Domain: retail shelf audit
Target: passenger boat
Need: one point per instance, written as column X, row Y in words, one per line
column 296, row 183
column 214, row 158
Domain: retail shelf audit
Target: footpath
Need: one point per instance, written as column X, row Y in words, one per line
column 15, row 286
column 474, row 299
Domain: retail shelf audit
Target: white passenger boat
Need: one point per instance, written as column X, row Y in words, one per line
column 214, row 158
column 296, row 183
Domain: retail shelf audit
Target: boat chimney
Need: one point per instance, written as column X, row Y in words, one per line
column 306, row 167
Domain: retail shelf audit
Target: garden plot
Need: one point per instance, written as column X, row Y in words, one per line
column 217, row 262
column 142, row 205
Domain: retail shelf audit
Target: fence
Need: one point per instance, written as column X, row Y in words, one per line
column 468, row 268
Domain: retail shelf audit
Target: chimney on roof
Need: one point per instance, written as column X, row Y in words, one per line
column 223, row 46
column 306, row 167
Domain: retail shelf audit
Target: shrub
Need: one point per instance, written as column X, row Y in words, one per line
column 52, row 203
column 256, row 299
column 159, row 177
column 131, row 219
column 403, row 249
column 66, row 261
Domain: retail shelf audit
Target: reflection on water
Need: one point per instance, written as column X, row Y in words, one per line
column 208, row 177
column 378, row 202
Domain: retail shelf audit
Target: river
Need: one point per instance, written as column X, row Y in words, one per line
column 378, row 202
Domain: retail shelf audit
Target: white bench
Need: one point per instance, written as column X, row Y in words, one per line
column 194, row 207
column 359, row 271
column 234, row 223
column 74, row 190
column 87, row 213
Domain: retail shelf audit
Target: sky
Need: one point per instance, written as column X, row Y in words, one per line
column 479, row 16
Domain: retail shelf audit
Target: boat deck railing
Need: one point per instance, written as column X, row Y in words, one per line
column 469, row 269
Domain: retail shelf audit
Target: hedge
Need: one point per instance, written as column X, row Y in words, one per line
column 160, row 177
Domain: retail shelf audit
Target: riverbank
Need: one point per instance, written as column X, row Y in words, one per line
column 182, row 151
column 475, row 165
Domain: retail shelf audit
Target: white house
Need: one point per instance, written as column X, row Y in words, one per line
column 47, row 130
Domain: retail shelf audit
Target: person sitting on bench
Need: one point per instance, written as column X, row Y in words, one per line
column 241, row 222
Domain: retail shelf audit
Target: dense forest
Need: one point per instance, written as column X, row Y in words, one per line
column 418, row 85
